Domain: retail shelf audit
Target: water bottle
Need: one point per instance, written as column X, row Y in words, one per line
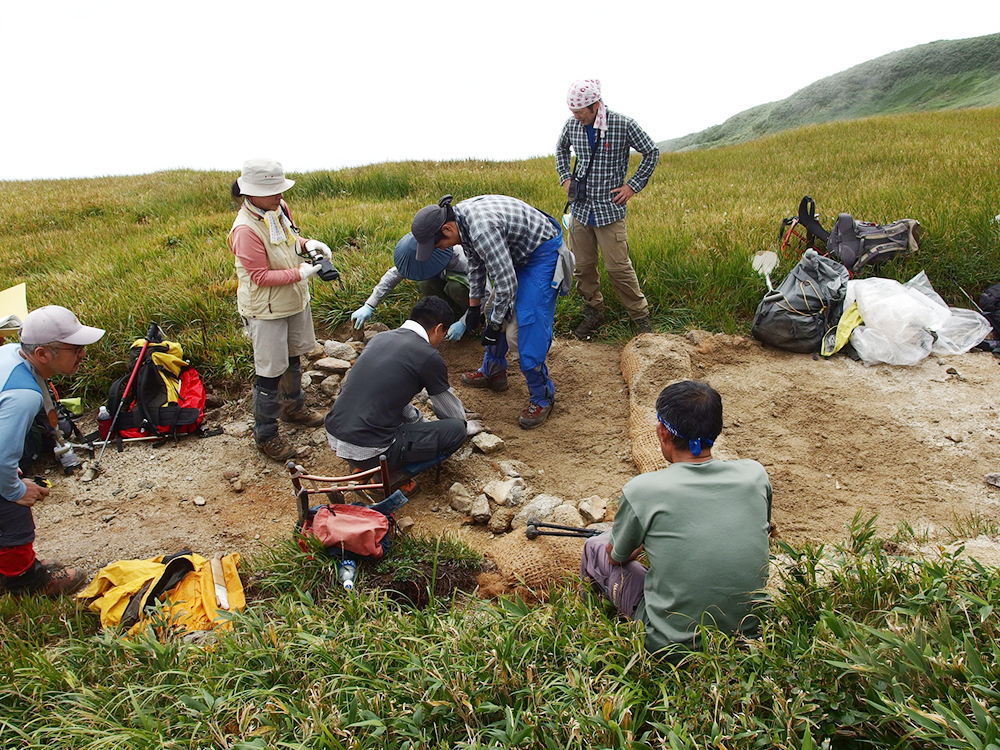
column 103, row 422
column 346, row 569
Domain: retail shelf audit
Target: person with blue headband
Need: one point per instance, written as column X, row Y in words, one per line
column 703, row 524
column 445, row 274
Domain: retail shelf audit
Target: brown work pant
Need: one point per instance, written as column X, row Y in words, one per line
column 584, row 240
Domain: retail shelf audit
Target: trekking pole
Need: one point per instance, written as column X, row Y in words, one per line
column 150, row 334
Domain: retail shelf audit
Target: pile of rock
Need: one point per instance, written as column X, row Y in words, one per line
column 507, row 503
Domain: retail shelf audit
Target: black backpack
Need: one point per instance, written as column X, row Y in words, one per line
column 989, row 305
column 807, row 304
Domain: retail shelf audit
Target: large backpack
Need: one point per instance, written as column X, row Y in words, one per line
column 857, row 244
column 167, row 395
column 989, row 304
column 804, row 307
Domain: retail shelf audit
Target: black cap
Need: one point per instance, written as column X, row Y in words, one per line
column 427, row 222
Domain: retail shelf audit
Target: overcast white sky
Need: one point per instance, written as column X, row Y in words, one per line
column 133, row 87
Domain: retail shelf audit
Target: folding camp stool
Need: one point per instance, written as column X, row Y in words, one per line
column 372, row 485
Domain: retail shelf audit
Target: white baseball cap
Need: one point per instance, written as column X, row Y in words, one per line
column 53, row 323
column 263, row 177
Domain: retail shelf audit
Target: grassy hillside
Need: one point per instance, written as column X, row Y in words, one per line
column 126, row 250
column 941, row 75
column 863, row 647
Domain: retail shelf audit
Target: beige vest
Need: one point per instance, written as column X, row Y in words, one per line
column 269, row 302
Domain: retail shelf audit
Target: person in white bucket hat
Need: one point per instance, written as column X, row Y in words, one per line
column 273, row 300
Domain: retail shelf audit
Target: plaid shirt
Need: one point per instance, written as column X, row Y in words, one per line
column 499, row 233
column 609, row 167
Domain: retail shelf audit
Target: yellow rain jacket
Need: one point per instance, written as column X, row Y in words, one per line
column 122, row 591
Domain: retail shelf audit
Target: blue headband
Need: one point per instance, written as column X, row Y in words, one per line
column 694, row 444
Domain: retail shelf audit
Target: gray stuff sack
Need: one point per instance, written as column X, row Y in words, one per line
column 804, row 307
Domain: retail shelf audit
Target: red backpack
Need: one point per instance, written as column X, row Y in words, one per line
column 167, row 395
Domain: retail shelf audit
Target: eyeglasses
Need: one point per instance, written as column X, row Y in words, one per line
column 76, row 349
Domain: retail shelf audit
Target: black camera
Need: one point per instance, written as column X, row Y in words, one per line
column 577, row 190
column 327, row 272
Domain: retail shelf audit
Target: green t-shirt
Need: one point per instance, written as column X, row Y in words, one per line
column 704, row 527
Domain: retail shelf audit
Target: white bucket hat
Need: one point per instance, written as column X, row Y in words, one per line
column 263, row 177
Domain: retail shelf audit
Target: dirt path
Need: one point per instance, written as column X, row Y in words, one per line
column 910, row 444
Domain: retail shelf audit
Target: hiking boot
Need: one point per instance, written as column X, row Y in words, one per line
column 534, row 415
column 277, row 448
column 643, row 325
column 592, row 318
column 301, row 414
column 476, row 379
column 64, row 581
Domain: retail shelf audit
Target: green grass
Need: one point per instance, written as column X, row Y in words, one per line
column 860, row 648
column 124, row 251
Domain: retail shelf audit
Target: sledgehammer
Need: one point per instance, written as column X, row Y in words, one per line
column 532, row 532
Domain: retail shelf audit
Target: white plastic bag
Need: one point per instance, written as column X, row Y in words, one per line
column 903, row 323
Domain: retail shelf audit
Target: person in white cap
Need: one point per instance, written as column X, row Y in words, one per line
column 598, row 191
column 53, row 342
column 273, row 300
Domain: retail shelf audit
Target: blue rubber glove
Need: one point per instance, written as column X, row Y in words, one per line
column 360, row 316
column 456, row 331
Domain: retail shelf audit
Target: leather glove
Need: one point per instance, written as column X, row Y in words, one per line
column 473, row 317
column 321, row 246
column 360, row 316
column 306, row 270
column 492, row 334
column 456, row 331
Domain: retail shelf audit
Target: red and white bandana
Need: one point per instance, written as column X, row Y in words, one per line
column 585, row 92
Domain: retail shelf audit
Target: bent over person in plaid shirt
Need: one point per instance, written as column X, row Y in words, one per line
column 601, row 140
column 521, row 249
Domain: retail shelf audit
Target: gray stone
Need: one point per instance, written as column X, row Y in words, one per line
column 480, row 510
column 332, row 364
column 339, row 350
column 330, row 386
column 515, row 468
column 199, row 501
column 487, row 443
column 593, row 509
column 237, row 485
column 460, row 497
column 500, row 521
column 316, row 353
column 567, row 515
column 231, row 473
column 307, row 380
column 509, row 492
column 236, row 429
column 540, row 508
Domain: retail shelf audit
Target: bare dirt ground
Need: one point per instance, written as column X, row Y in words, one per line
column 909, row 444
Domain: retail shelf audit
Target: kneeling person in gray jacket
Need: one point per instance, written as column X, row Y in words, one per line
column 373, row 415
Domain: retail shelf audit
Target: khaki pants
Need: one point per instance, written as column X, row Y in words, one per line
column 584, row 240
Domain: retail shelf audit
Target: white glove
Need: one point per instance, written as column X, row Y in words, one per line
column 306, row 270
column 321, row 246
column 456, row 331
column 360, row 316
